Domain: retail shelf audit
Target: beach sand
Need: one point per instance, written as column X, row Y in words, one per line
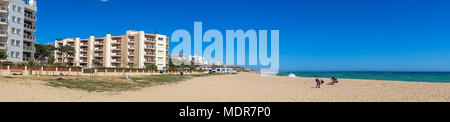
column 242, row 87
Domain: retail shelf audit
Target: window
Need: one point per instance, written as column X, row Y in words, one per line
column 19, row 32
column 13, row 30
column 161, row 39
column 13, row 42
column 12, row 54
column 14, row 7
column 19, row 20
column 18, row 43
column 19, row 9
column 17, row 55
column 14, row 18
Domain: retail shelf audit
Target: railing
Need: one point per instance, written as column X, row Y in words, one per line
column 98, row 42
column 115, row 60
column 130, row 53
column 151, row 40
column 115, row 54
column 116, row 48
column 4, row 20
column 98, row 49
column 116, row 41
column 151, row 47
column 84, row 44
column 3, row 45
column 131, row 40
column 149, row 53
column 30, row 16
column 29, row 37
column 149, row 60
column 3, row 32
column 131, row 47
column 4, row 8
column 130, row 60
column 28, row 26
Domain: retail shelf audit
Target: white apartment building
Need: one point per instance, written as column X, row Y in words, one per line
column 17, row 29
column 135, row 49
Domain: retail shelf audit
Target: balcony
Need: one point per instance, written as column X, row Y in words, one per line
column 116, row 41
column 29, row 37
column 4, row 9
column 98, row 55
column 3, row 45
column 150, row 47
column 149, row 54
column 150, row 40
column 98, row 49
column 149, row 61
column 98, row 43
column 29, row 48
column 30, row 16
column 130, row 53
column 116, row 54
column 130, row 60
column 115, row 60
column 30, row 27
column 84, row 44
column 83, row 61
column 130, row 40
column 3, row 20
column 3, row 32
column 116, row 48
column 130, row 47
column 83, row 50
column 83, row 55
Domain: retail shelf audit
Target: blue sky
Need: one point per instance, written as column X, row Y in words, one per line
column 315, row 35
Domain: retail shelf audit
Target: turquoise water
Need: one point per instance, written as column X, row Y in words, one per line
column 441, row 77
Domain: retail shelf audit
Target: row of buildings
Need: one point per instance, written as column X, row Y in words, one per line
column 134, row 49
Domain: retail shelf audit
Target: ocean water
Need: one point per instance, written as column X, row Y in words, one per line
column 441, row 77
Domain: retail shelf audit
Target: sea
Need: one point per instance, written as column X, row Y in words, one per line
column 438, row 77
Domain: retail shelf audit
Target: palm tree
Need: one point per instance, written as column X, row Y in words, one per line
column 65, row 51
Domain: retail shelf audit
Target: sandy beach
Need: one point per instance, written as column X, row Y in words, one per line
column 242, row 87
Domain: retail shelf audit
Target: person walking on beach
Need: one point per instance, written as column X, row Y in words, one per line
column 318, row 83
column 181, row 73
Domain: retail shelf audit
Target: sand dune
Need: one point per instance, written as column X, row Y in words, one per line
column 243, row 87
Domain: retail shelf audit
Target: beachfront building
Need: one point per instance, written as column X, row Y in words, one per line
column 135, row 49
column 17, row 29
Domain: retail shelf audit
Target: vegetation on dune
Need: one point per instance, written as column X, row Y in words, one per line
column 120, row 84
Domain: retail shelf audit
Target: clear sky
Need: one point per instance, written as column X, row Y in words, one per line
column 315, row 35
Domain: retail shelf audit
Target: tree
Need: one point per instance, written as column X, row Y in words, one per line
column 43, row 53
column 65, row 51
column 96, row 62
column 192, row 66
column 151, row 66
column 3, row 56
column 51, row 59
column 172, row 66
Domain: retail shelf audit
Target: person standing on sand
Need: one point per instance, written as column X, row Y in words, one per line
column 318, row 82
column 181, row 73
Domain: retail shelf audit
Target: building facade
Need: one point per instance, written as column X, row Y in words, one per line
column 135, row 49
column 17, row 29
